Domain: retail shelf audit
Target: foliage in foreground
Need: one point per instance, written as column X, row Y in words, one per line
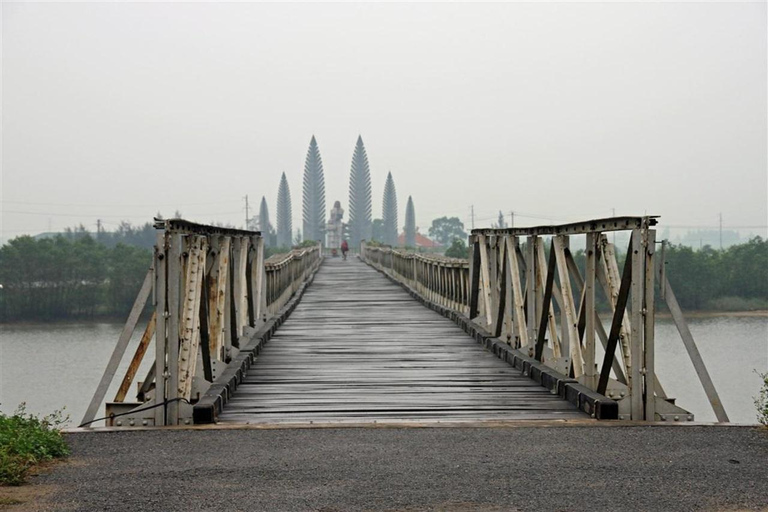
column 761, row 401
column 27, row 440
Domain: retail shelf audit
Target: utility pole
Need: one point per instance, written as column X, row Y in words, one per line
column 721, row 231
column 98, row 229
column 473, row 216
column 247, row 216
column 511, row 219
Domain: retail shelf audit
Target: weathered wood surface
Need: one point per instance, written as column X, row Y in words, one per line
column 360, row 349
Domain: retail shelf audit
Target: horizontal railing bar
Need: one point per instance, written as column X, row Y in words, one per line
column 577, row 228
column 185, row 226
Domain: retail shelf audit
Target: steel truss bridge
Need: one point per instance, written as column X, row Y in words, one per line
column 512, row 333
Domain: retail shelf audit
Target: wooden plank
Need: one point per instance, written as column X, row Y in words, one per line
column 357, row 348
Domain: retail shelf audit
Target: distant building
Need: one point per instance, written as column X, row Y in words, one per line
column 422, row 242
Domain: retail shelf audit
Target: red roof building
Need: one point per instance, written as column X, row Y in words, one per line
column 421, row 241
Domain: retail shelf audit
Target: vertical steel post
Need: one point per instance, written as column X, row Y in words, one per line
column 161, row 310
column 531, row 291
column 590, row 372
column 637, row 256
column 174, row 311
column 258, row 286
column 649, row 310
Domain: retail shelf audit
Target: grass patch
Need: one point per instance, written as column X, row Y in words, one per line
column 27, row 440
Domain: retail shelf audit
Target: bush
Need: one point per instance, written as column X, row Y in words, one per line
column 761, row 401
column 27, row 440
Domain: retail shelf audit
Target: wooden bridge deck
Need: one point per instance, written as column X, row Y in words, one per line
column 360, row 349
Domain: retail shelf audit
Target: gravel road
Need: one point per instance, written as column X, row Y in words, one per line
column 455, row 469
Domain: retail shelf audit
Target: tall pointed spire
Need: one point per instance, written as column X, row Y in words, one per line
column 410, row 224
column 314, row 194
column 264, row 225
column 389, row 212
column 360, row 205
column 284, row 214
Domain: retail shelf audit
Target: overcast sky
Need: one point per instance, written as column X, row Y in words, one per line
column 557, row 111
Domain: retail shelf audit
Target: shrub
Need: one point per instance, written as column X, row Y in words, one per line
column 761, row 401
column 458, row 249
column 27, row 440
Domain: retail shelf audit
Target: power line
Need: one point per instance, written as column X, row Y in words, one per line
column 122, row 216
column 126, row 205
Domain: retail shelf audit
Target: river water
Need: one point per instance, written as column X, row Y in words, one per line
column 51, row 366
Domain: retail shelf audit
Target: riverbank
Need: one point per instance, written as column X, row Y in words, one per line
column 456, row 469
column 760, row 313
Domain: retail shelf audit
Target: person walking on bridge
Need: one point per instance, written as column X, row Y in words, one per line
column 344, row 249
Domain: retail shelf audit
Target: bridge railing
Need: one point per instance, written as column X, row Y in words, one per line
column 286, row 272
column 210, row 289
column 442, row 280
column 524, row 286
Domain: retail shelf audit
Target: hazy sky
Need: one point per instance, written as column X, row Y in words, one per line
column 556, row 111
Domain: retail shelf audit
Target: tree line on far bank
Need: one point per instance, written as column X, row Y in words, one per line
column 81, row 275
column 68, row 277
column 76, row 274
column 732, row 279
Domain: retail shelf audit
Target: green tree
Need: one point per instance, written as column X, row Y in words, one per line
column 444, row 230
column 458, row 249
column 127, row 268
column 377, row 230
